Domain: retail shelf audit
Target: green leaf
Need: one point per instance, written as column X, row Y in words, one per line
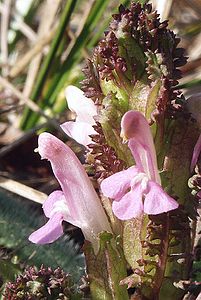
column 9, row 270
column 17, row 221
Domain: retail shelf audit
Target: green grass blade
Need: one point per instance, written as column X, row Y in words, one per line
column 16, row 224
column 189, row 84
column 68, row 9
column 81, row 41
column 73, row 58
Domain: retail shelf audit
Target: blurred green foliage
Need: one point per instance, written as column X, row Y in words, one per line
column 17, row 221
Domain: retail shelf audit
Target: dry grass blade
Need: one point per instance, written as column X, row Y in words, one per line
column 78, row 31
column 48, row 18
column 22, row 190
column 25, row 60
column 5, row 15
column 195, row 48
column 24, row 100
column 22, row 26
column 26, row 30
column 163, row 7
column 73, row 38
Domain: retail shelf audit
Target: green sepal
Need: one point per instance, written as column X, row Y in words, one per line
column 132, row 246
column 170, row 291
column 177, row 146
column 151, row 99
column 106, row 269
column 120, row 97
column 176, row 169
column 142, row 264
column 133, row 54
column 110, row 119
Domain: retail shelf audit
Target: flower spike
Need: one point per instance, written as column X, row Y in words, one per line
column 145, row 194
column 77, row 203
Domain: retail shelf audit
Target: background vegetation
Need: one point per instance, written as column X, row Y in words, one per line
column 43, row 48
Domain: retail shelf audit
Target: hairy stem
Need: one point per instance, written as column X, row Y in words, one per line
column 160, row 271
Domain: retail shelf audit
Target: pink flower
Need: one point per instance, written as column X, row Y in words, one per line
column 77, row 202
column 194, row 107
column 196, row 153
column 137, row 189
column 85, row 110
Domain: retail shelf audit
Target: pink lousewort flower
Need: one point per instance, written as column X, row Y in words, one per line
column 193, row 104
column 137, row 189
column 85, row 110
column 196, row 153
column 77, row 202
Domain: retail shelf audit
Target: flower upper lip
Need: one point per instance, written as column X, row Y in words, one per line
column 196, row 153
column 135, row 128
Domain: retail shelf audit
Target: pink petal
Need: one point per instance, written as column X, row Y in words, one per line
column 199, row 194
column 193, row 104
column 68, row 171
column 196, row 153
column 85, row 209
column 50, row 232
column 135, row 128
column 157, row 201
column 130, row 206
column 48, row 205
column 81, row 105
column 117, row 184
column 79, row 131
column 85, row 110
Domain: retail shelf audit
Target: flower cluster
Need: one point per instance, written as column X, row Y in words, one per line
column 44, row 283
column 134, row 191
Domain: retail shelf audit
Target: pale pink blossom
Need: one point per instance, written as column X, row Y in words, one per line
column 196, row 153
column 193, row 104
column 85, row 111
column 77, row 202
column 137, row 190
